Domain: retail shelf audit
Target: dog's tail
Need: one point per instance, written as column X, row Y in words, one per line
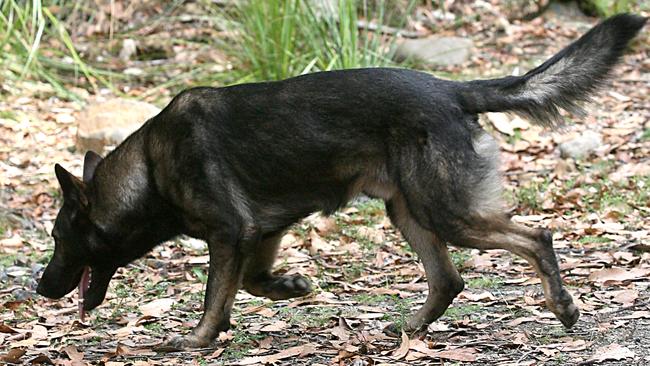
column 563, row 82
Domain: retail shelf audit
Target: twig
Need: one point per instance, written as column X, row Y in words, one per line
column 634, row 81
column 525, row 355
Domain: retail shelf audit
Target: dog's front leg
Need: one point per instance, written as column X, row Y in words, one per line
column 224, row 279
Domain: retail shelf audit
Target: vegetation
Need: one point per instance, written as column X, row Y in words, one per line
column 274, row 40
column 35, row 43
column 289, row 37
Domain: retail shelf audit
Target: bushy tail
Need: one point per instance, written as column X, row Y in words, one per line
column 563, row 82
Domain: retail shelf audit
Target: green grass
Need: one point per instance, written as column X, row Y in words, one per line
column 401, row 308
column 371, row 208
column 310, row 317
column 530, row 195
column 594, row 239
column 156, row 289
column 458, row 312
column 646, row 135
column 24, row 27
column 201, row 274
column 373, row 300
column 459, row 257
column 243, row 341
column 353, row 270
column 284, row 38
column 402, row 311
column 484, row 282
column 156, row 328
column 607, row 8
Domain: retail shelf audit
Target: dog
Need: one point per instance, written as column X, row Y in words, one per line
column 236, row 166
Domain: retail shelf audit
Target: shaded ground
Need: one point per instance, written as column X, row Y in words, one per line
column 364, row 274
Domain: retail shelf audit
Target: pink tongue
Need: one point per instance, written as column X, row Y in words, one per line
column 83, row 287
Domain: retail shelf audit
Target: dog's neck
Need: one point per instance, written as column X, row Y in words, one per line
column 120, row 183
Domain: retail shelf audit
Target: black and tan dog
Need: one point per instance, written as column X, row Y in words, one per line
column 236, row 166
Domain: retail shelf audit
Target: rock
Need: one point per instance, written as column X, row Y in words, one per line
column 581, row 146
column 445, row 51
column 108, row 123
column 568, row 13
column 129, row 48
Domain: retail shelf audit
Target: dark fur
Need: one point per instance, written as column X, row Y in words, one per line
column 236, row 166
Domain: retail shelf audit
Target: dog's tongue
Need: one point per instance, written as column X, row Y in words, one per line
column 83, row 287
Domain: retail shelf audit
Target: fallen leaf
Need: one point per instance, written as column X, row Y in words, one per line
column 215, row 354
column 456, row 354
column 275, row 327
column 6, row 329
column 74, row 355
column 157, row 307
column 325, row 225
column 318, row 244
column 403, row 349
column 485, row 295
column 15, row 241
column 625, row 297
column 40, row 360
column 501, row 122
column 13, row 356
column 619, row 274
column 39, row 332
column 302, row 350
column 613, row 351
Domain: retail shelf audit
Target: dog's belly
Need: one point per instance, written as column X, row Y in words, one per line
column 276, row 212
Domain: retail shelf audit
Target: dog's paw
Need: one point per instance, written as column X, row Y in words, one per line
column 565, row 310
column 394, row 330
column 281, row 287
column 183, row 343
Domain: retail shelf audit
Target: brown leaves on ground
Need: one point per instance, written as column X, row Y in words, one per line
column 364, row 274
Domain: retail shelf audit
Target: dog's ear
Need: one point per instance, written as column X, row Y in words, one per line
column 91, row 160
column 72, row 187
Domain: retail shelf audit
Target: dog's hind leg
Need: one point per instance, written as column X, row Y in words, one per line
column 534, row 245
column 443, row 279
column 258, row 279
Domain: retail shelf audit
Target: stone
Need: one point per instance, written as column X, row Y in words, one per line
column 129, row 49
column 445, row 51
column 581, row 146
column 108, row 123
column 568, row 13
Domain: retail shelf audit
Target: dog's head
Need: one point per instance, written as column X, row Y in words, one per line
column 79, row 244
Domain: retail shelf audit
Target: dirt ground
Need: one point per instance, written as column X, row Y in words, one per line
column 364, row 274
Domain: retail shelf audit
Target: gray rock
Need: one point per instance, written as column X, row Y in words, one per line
column 581, row 146
column 446, row 51
column 108, row 123
column 129, row 49
column 568, row 13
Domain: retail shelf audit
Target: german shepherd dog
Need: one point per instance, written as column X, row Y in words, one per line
column 236, row 166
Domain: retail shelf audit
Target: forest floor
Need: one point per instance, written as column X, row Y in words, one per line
column 364, row 274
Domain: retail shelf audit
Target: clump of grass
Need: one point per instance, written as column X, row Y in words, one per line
column 24, row 25
column 607, row 8
column 284, row 38
column 460, row 311
column 484, row 282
